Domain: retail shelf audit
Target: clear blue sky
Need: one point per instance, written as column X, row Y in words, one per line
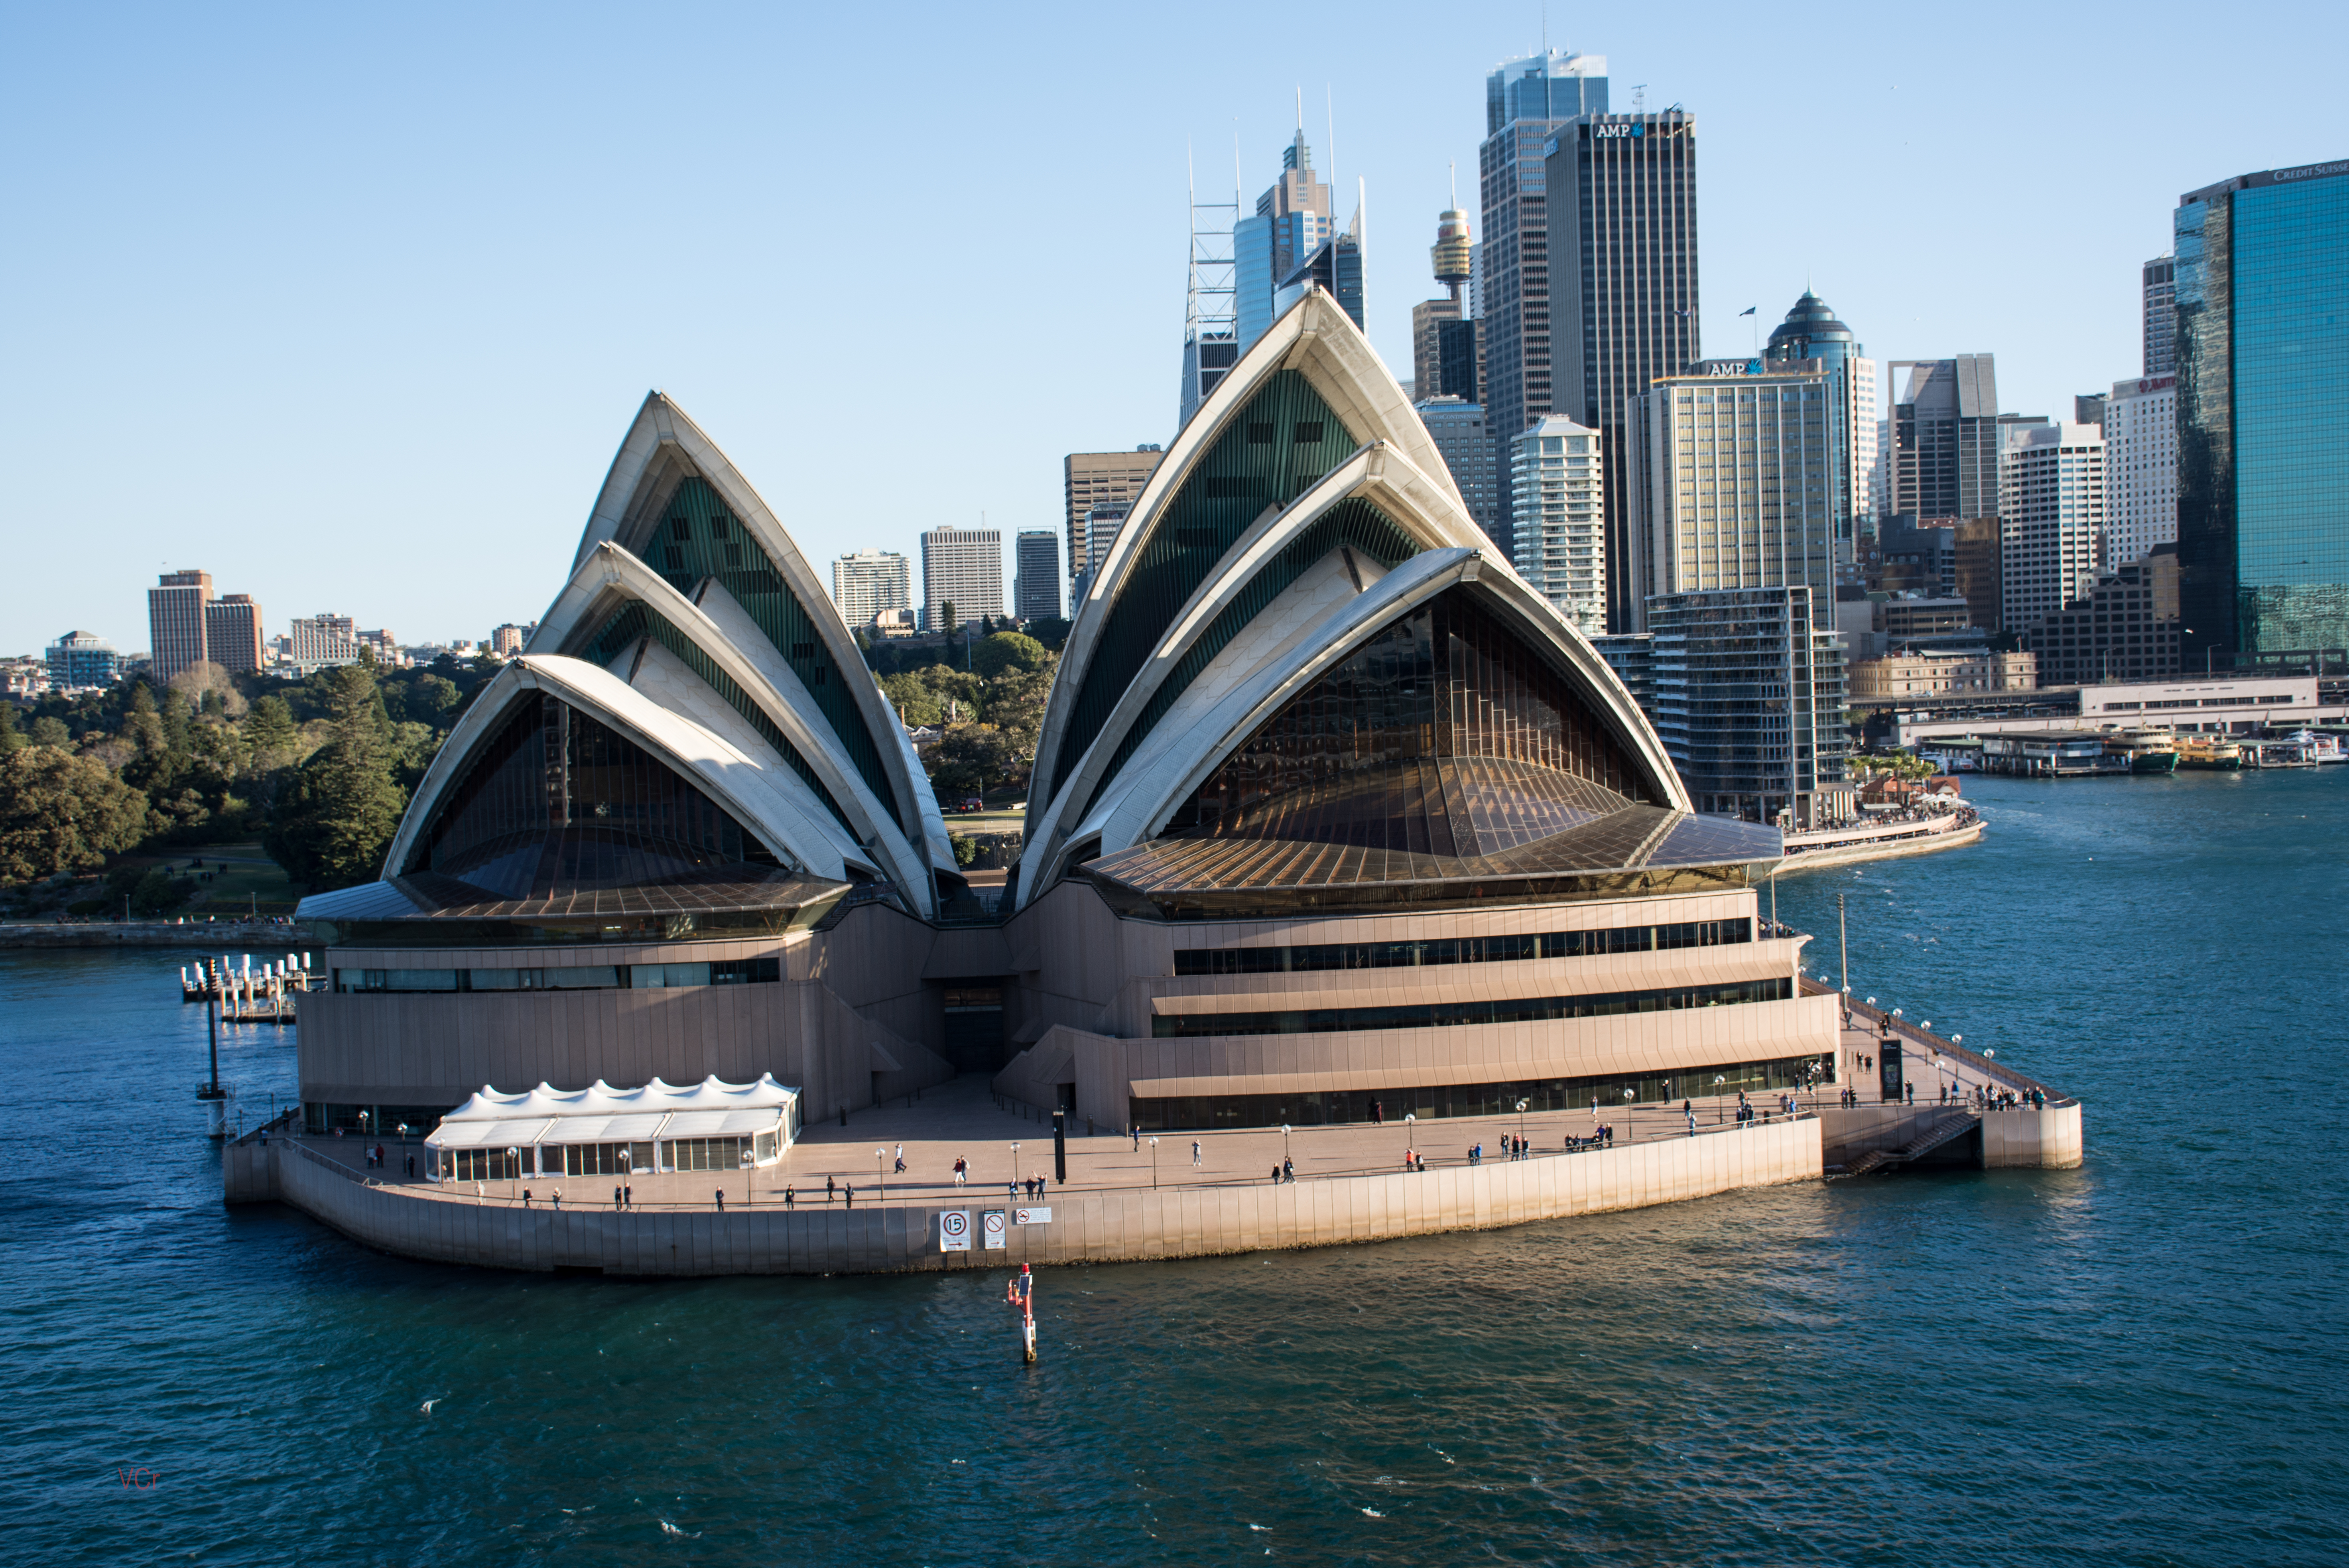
column 350, row 305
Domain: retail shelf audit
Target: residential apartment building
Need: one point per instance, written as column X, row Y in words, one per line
column 1091, row 479
column 175, row 623
column 866, row 582
column 2141, row 426
column 322, row 640
column 1749, row 702
column 1458, row 427
column 1559, row 526
column 83, row 661
column 2050, row 528
column 232, row 634
column 509, row 640
column 962, row 567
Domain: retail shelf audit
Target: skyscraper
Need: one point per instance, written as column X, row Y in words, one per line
column 2159, row 276
column 1091, row 479
column 962, row 567
column 175, row 622
column 1336, row 266
column 1622, row 192
column 1036, row 575
column 1557, row 485
column 867, row 582
column 1526, row 101
column 1736, row 480
column 316, row 641
column 2052, row 521
column 1457, row 426
column 1943, row 460
column 1292, row 220
column 2141, row 426
column 232, row 632
column 2262, row 443
column 1812, row 332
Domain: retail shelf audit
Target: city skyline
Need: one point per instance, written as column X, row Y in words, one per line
column 473, row 300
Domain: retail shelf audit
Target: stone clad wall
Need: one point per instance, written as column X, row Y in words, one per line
column 1087, row 1227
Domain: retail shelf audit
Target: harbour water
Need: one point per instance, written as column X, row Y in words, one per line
column 2138, row 1362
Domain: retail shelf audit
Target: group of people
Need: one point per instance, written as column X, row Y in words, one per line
column 1511, row 1148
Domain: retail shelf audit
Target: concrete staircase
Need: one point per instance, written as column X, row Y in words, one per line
column 1954, row 1126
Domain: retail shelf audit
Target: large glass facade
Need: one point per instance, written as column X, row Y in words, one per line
column 1272, row 451
column 1468, row 1012
column 1444, row 734
column 2291, row 436
column 695, row 537
column 2262, row 311
column 558, row 802
column 1429, row 1102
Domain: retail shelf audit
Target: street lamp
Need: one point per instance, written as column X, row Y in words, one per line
column 1409, row 1117
column 1015, row 1165
column 1521, row 1120
column 1284, row 1148
column 1719, row 1113
column 1153, row 1160
column 880, row 1175
column 514, row 1169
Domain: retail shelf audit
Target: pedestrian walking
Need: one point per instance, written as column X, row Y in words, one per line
column 721, row 1201
column 629, row 1196
column 852, row 1194
column 1287, row 1170
column 1136, row 1131
column 790, row 1195
column 831, row 1187
column 962, row 1170
column 558, row 1200
column 1195, row 1154
column 616, row 1197
column 1378, row 1114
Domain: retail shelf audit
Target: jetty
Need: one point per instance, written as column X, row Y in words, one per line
column 247, row 995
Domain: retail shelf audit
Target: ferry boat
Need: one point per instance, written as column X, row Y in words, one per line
column 2209, row 752
column 2148, row 751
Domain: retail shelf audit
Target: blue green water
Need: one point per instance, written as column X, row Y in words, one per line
column 2139, row 1362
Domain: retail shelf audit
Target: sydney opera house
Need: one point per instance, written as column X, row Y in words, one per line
column 1331, row 812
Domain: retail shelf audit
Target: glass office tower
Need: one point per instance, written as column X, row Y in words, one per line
column 2263, row 303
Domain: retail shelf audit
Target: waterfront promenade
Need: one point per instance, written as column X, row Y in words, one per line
column 1351, row 1188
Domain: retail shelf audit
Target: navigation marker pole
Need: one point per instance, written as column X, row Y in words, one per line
column 1021, row 1293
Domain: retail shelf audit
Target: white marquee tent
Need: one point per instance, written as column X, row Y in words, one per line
column 603, row 1131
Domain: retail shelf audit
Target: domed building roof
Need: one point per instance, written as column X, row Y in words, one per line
column 1810, row 323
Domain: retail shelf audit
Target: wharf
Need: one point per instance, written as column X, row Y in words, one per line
column 1350, row 1187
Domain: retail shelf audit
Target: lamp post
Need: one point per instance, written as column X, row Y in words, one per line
column 1719, row 1113
column 514, row 1171
column 880, row 1175
column 1521, row 1121
column 1284, row 1148
column 1153, row 1160
column 1409, row 1118
column 1015, row 1165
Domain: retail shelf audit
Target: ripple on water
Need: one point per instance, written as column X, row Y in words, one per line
column 2136, row 1362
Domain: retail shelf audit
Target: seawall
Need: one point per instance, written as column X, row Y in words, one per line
column 1101, row 1226
column 203, row 936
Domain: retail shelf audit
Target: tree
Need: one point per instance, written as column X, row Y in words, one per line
column 972, row 756
column 50, row 732
column 1015, row 705
column 1006, row 650
column 10, row 737
column 332, row 824
column 947, row 617
column 59, row 812
column 915, row 703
